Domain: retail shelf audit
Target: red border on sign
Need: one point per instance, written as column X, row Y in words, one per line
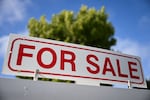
column 68, row 75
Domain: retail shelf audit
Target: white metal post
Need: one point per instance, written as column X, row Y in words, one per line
column 129, row 84
column 36, row 75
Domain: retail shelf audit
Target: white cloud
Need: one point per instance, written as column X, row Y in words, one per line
column 24, row 32
column 3, row 45
column 4, row 42
column 129, row 46
column 144, row 22
column 12, row 10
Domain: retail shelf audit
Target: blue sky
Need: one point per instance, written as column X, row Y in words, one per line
column 130, row 18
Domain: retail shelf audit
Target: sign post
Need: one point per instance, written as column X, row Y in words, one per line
column 55, row 59
column 35, row 78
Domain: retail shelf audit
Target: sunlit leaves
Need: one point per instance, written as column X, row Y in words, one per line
column 88, row 27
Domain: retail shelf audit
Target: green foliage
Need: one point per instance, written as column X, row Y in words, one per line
column 46, row 79
column 87, row 27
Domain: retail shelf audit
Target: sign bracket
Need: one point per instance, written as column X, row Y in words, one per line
column 129, row 84
column 35, row 78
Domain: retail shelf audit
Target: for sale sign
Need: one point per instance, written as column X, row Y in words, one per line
column 55, row 59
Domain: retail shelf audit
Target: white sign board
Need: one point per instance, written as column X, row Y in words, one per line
column 68, row 61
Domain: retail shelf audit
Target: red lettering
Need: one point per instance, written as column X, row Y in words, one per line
column 119, row 70
column 97, row 68
column 71, row 60
column 131, row 70
column 110, row 68
column 22, row 53
column 39, row 58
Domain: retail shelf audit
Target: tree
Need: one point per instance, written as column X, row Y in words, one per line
column 88, row 27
